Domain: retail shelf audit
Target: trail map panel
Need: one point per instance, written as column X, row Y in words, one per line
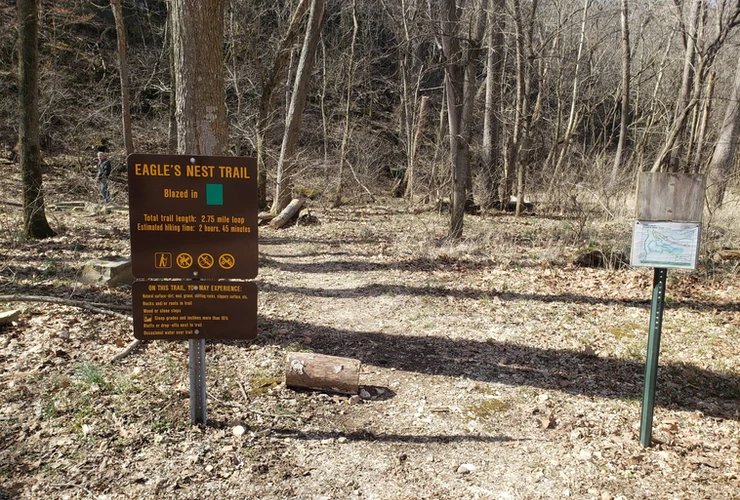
column 665, row 244
column 175, row 310
column 193, row 216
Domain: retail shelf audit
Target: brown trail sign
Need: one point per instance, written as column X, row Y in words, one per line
column 174, row 310
column 193, row 217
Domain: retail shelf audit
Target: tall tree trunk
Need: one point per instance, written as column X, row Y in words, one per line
column 172, row 119
column 286, row 164
column 197, row 35
column 490, row 172
column 687, row 83
column 460, row 72
column 128, row 140
column 454, row 85
column 347, row 109
column 270, row 86
column 413, row 160
column 526, row 95
column 35, row 224
column 720, row 166
column 624, row 119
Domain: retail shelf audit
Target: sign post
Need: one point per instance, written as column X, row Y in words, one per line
column 666, row 235
column 197, row 355
column 193, row 219
column 653, row 349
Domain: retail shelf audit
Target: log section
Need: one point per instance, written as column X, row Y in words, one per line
column 317, row 371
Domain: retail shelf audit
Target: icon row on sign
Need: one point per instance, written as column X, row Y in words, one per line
column 163, row 260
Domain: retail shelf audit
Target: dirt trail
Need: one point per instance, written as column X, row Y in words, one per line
column 489, row 373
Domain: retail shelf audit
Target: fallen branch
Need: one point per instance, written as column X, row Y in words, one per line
column 134, row 343
column 97, row 307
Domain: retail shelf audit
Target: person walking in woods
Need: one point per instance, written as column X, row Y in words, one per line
column 103, row 176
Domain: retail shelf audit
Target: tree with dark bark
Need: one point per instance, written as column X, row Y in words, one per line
column 35, row 224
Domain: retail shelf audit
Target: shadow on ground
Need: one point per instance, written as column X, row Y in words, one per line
column 680, row 386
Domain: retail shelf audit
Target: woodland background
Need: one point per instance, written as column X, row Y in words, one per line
column 495, row 365
column 559, row 102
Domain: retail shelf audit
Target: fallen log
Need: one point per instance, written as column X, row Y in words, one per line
column 321, row 372
column 727, row 255
column 264, row 218
column 288, row 213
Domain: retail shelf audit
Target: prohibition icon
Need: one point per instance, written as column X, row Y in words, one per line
column 205, row 260
column 184, row 260
column 226, row 261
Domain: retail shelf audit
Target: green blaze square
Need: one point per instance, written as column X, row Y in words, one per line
column 214, row 194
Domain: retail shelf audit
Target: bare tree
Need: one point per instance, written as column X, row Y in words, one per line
column 286, row 164
column 271, row 79
column 625, row 112
column 527, row 92
column 35, row 224
column 128, row 139
column 698, row 61
column 687, row 78
column 574, row 102
column 347, row 109
column 460, row 74
column 720, row 166
column 491, row 121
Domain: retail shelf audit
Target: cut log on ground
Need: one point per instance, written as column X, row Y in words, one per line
column 288, row 213
column 326, row 373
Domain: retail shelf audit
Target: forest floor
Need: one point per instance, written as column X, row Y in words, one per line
column 492, row 368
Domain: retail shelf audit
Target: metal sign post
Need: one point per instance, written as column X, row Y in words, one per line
column 197, row 349
column 666, row 234
column 653, row 349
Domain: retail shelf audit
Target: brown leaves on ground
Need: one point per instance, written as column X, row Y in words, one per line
column 491, row 375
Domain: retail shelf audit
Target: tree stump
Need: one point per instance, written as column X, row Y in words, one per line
column 321, row 372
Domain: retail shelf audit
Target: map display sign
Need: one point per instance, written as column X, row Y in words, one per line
column 175, row 310
column 193, row 216
column 665, row 244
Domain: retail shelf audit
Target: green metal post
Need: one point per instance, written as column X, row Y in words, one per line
column 653, row 349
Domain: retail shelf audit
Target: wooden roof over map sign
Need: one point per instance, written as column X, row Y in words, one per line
column 670, row 197
column 667, row 232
